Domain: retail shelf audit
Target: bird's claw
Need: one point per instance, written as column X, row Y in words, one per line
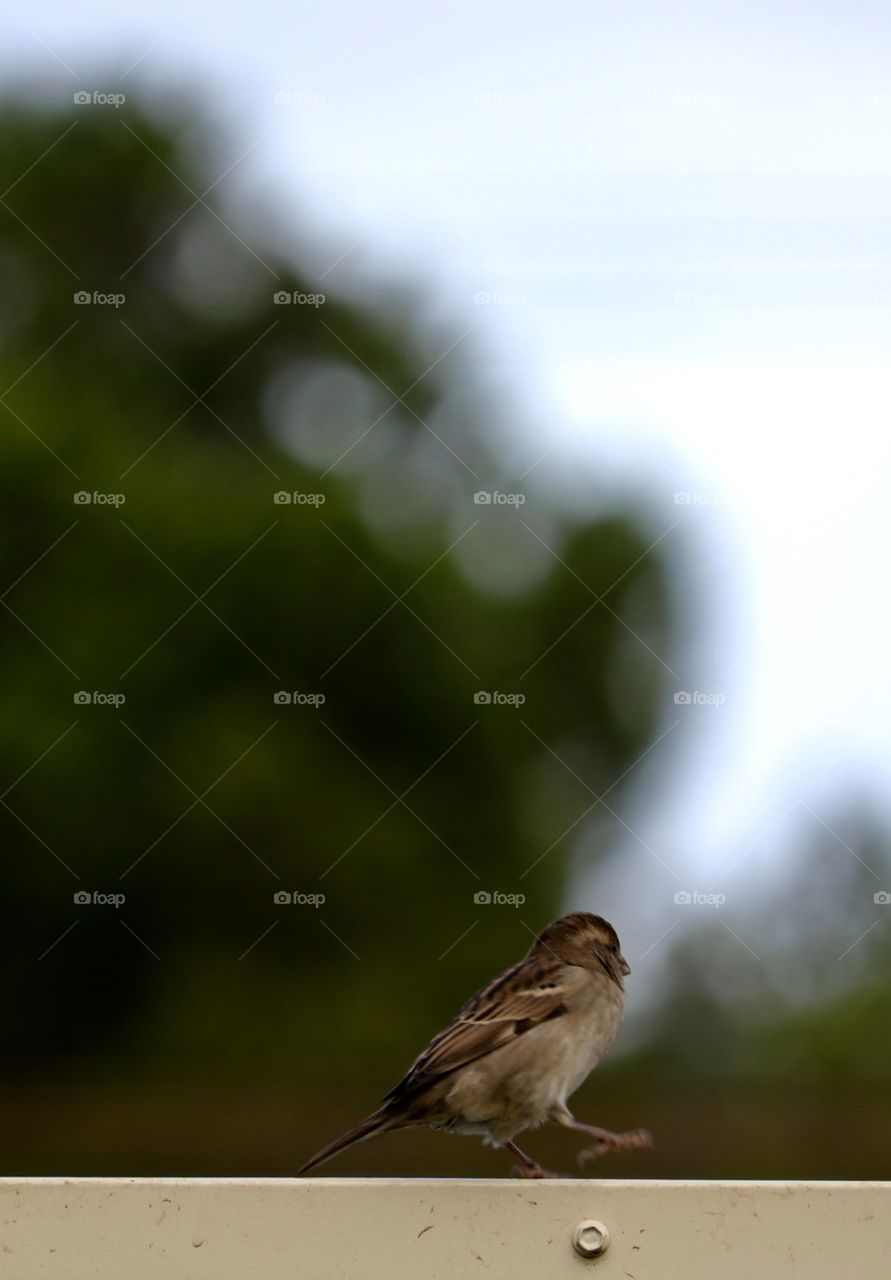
column 533, row 1171
column 633, row 1140
column 592, row 1153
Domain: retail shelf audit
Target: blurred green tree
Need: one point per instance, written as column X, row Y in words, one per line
column 390, row 591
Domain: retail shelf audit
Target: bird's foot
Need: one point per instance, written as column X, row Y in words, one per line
column 632, row 1140
column 528, row 1168
column 533, row 1171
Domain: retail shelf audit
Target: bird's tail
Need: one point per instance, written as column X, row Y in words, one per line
column 378, row 1122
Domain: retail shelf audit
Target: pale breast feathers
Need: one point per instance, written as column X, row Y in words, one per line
column 530, row 993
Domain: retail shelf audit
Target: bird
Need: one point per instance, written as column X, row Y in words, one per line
column 512, row 1056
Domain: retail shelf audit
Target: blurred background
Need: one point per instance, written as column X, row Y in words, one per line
column 443, row 484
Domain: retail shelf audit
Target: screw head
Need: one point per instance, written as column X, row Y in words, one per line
column 590, row 1239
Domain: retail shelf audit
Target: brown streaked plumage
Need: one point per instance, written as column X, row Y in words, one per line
column 518, row 1049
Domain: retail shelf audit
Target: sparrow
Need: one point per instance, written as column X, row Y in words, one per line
column 513, row 1055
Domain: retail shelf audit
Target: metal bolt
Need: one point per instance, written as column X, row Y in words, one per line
column 590, row 1239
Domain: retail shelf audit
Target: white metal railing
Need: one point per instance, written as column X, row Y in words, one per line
column 379, row 1229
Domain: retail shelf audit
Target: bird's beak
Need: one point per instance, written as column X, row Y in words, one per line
column 624, row 966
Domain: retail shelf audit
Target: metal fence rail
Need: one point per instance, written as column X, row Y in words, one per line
column 376, row 1229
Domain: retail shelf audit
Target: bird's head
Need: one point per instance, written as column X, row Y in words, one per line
column 586, row 940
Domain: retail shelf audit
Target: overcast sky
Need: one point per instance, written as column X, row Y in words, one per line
column 684, row 208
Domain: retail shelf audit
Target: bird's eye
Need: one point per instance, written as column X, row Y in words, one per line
column 614, row 948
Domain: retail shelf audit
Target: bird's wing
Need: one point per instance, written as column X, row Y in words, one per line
column 532, row 992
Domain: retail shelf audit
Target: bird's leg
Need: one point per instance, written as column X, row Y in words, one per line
column 632, row 1140
column 529, row 1168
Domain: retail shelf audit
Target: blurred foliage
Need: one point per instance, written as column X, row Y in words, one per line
column 197, row 399
column 797, row 996
column 767, row 1049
